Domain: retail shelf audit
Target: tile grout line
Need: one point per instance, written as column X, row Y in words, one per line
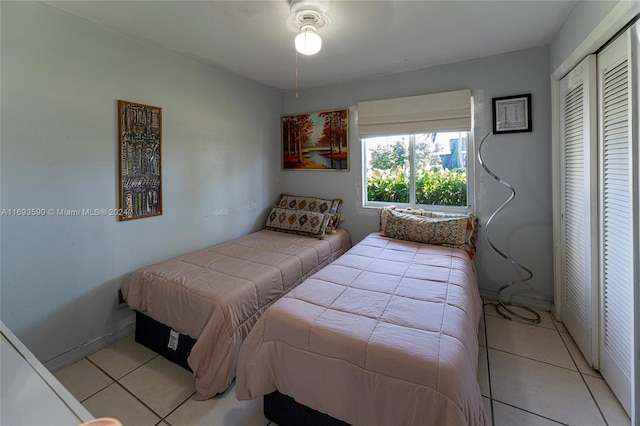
column 543, row 362
column 162, row 420
column 117, row 381
column 532, row 413
column 577, row 370
column 595, row 401
column 536, row 360
column 597, row 374
column 99, row 390
column 178, row 406
column 502, row 402
column 486, row 348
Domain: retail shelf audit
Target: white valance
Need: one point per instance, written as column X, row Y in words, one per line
column 449, row 111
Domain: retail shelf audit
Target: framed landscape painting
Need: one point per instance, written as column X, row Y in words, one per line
column 316, row 141
column 140, row 139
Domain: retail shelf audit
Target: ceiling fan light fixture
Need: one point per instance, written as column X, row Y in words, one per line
column 308, row 42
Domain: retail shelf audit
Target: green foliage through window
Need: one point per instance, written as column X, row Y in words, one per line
column 440, row 175
column 440, row 187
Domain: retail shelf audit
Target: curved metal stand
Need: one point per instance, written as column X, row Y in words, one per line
column 501, row 304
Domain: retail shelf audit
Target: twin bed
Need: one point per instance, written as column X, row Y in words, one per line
column 196, row 309
column 386, row 333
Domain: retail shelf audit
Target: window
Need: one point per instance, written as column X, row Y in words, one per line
column 415, row 151
column 418, row 169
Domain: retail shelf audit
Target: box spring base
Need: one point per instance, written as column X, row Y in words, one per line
column 155, row 336
column 285, row 411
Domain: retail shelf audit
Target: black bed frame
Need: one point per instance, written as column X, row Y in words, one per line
column 285, row 411
column 155, row 336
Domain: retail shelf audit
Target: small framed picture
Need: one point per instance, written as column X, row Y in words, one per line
column 512, row 114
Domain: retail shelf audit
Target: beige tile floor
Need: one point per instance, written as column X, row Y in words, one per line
column 528, row 375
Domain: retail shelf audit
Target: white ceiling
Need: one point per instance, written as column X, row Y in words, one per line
column 364, row 38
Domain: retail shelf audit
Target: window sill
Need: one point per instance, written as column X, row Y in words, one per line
column 429, row 208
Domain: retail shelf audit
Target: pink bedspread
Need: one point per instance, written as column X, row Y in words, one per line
column 215, row 295
column 385, row 335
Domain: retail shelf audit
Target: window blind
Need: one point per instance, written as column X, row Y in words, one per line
column 434, row 112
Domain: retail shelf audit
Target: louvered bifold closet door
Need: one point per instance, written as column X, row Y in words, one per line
column 616, row 218
column 579, row 224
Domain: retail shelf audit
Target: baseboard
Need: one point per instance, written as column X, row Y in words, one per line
column 88, row 348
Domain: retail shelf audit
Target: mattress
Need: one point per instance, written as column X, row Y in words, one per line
column 386, row 334
column 215, row 295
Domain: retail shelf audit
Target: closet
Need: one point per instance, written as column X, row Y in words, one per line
column 598, row 214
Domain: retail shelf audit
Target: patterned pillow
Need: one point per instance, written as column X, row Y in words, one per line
column 446, row 229
column 311, row 204
column 299, row 222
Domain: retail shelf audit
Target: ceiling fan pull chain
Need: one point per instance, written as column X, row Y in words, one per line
column 296, row 73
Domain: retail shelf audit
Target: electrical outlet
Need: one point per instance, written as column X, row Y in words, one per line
column 121, row 300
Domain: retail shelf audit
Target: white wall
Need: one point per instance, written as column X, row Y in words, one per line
column 524, row 228
column 584, row 17
column 61, row 78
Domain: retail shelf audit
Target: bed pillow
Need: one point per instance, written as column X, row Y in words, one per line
column 299, row 222
column 311, row 204
column 314, row 204
column 385, row 212
column 445, row 229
